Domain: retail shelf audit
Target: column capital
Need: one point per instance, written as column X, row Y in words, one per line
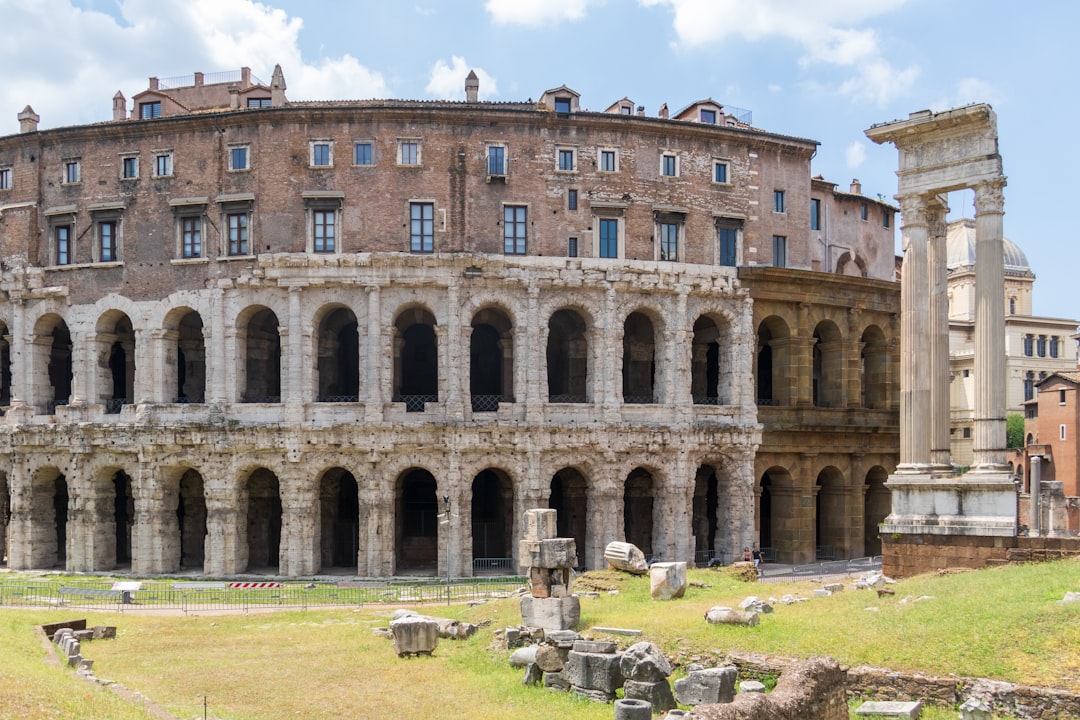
column 913, row 208
column 990, row 196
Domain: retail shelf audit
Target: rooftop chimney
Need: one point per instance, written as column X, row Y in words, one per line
column 245, row 77
column 277, row 87
column 856, row 187
column 641, row 110
column 154, row 83
column 663, row 111
column 472, row 87
column 119, row 106
column 28, row 120
column 234, row 96
column 199, row 78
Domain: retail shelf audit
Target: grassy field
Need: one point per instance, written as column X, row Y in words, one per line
column 1003, row 623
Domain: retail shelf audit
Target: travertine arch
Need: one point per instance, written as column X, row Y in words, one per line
column 774, row 361
column 509, row 304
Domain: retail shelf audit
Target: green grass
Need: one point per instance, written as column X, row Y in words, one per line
column 1003, row 623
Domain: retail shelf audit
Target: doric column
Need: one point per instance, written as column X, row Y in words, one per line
column 299, row 554
column 801, row 359
column 679, row 355
column 607, row 382
column 376, row 348
column 226, row 549
column 218, row 367
column 155, row 533
column 914, row 338
column 534, row 372
column 20, row 365
column 989, row 440
column 937, row 262
column 453, row 353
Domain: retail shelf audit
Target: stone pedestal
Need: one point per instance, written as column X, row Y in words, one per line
column 979, row 504
column 552, row 613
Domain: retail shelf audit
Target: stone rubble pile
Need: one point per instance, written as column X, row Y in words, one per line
column 69, row 637
column 550, row 561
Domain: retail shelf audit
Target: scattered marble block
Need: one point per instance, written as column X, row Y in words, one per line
column 626, row 557
column 974, row 709
column 594, row 671
column 414, row 635
column 667, row 580
column 900, row 710
column 711, row 685
column 755, row 604
column 550, row 553
column 727, row 616
column 633, row 709
column 533, row 675
column 524, row 656
column 822, row 592
column 657, row 694
column 550, row 658
column 540, row 524
column 556, row 681
column 644, row 662
column 555, row 613
column 751, row 686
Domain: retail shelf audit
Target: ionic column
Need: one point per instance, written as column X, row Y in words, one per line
column 914, row 338
column 937, row 260
column 853, row 346
column 989, row 440
column 801, row 359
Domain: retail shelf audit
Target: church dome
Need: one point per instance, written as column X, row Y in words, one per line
column 960, row 240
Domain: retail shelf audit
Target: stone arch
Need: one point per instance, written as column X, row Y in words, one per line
column 874, row 360
column 568, row 366
column 185, row 369
column 5, row 517
column 831, row 514
column 568, row 495
column 5, row 371
column 640, row 342
column 337, row 358
column 711, row 361
column 49, row 514
column 780, row 533
column 828, row 365
column 416, row 527
column 115, row 366
column 261, row 504
column 339, row 519
column 51, row 364
column 705, row 519
column 491, row 359
column 492, row 519
column 416, row 358
column 854, row 266
column 877, row 502
column 258, row 337
column 773, row 371
column 639, row 489
column 191, row 515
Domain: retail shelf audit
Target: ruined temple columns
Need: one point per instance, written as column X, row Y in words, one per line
column 988, row 446
column 938, row 367
column 914, row 337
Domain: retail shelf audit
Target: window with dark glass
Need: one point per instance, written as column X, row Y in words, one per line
column 323, row 231
column 237, row 224
column 1029, row 345
column 496, row 160
column 260, row 102
column 107, row 241
column 720, row 172
column 514, row 229
column 71, row 171
column 708, row 116
column 1054, row 342
column 886, row 218
column 320, row 154
column 779, row 251
column 571, row 247
column 62, row 234
column 571, row 199
column 669, row 241
column 238, row 158
column 566, row 160
column 607, row 161
column 669, row 166
column 130, row 168
column 864, row 212
column 609, row 238
column 778, row 201
column 163, row 165
column 363, row 154
column 562, row 105
column 728, row 246
column 149, row 110
column 422, row 227
column 410, row 153
column 1040, row 346
column 191, row 237
column 815, row 214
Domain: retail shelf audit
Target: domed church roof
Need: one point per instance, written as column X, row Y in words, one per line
column 960, row 239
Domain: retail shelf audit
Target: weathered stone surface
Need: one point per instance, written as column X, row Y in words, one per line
column 755, row 604
column 524, row 656
column 599, row 671
column 550, row 553
column 413, row 635
column 626, row 557
column 644, row 662
column 657, row 693
column 901, row 710
column 563, row 638
column 711, row 685
column 727, row 616
column 592, row 694
column 556, row 681
column 821, row 593
column 594, row 646
column 667, row 580
column 540, row 524
column 834, row 587
column 561, row 613
column 973, row 709
column 751, row 686
column 809, row 690
column 533, row 675
column 633, row 709
column 1071, row 597
column 550, row 659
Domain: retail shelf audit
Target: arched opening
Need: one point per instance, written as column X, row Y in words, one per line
column 492, row 523
column 784, row 535
column 338, row 366
column 416, row 359
column 262, row 358
column 190, row 359
column 339, row 515
column 874, row 359
column 5, row 517
column 567, row 358
column 705, row 363
column 877, row 506
column 569, row 499
column 639, row 359
column 52, row 363
column 491, row 360
column 417, row 533
column 5, row 369
column 831, row 515
column 48, row 520
column 828, row 366
column 191, row 520
column 638, row 494
column 123, row 517
column 705, row 521
column 765, row 513
column 263, row 521
column 772, row 367
column 116, row 338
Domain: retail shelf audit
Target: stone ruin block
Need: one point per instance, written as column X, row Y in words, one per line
column 414, row 635
column 540, row 524
column 709, row 685
column 626, row 557
column 595, row 646
column 667, row 580
column 549, row 582
column 892, row 709
column 657, row 694
column 556, row 681
column 550, row 658
column 556, row 613
column 644, row 662
column 598, row 672
column 726, row 616
column 550, row 553
column 974, row 709
column 813, row 688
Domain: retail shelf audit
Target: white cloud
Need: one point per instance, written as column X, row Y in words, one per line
column 535, row 13
column 72, row 81
column 774, row 88
column 447, row 82
column 825, row 30
column 855, row 154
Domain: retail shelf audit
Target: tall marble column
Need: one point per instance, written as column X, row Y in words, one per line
column 940, row 455
column 989, row 440
column 914, row 338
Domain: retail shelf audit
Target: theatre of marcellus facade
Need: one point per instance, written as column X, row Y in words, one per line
column 247, row 334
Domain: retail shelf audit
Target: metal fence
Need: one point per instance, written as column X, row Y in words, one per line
column 244, row 596
column 793, row 573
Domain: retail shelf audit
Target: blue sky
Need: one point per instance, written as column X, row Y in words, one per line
column 825, row 70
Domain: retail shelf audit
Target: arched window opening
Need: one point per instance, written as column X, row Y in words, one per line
column 877, row 506
column 263, row 521
column 339, row 513
column 190, row 360
column 191, row 520
column 417, row 527
column 705, row 521
column 339, row 357
column 416, row 360
column 123, row 517
column 638, row 510
column 491, row 361
column 492, row 524
column 705, row 370
column 639, row 360
column 262, row 358
column 567, row 358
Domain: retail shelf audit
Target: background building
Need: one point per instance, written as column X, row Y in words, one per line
column 249, row 334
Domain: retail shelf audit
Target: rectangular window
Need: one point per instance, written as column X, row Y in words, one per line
column 609, row 238
column 571, row 199
column 967, row 433
column 323, row 230
column 260, row 102
column 363, row 154
column 708, row 116
column 149, row 110
column 885, row 218
column 71, row 172
column 129, row 169
column 1040, row 346
column 1061, row 432
column 496, row 160
column 321, row 155
column 1054, row 342
column 562, row 105
column 815, row 214
column 1029, row 345
column 191, row 237
column 571, row 247
column 237, row 224
column 779, row 251
column 567, row 160
column 514, row 229
column 669, row 166
column 62, row 235
column 669, row 241
column 238, row 158
column 719, row 173
column 107, row 241
column 5, row 178
column 409, row 152
column 778, row 201
column 421, row 227
column 728, row 246
column 163, row 165
column 1061, row 397
column 864, row 212
column 607, row 161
